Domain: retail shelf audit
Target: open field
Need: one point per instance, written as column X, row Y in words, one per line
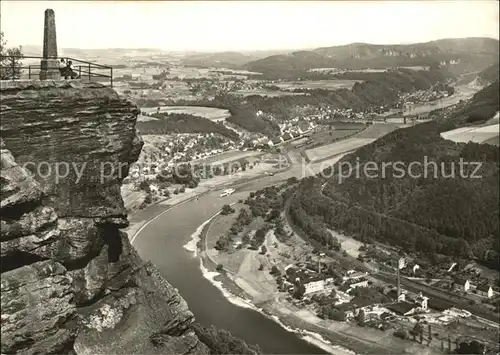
column 494, row 120
column 327, row 136
column 366, row 136
column 234, row 71
column 226, row 157
column 367, row 70
column 263, row 92
column 220, row 226
column 317, row 84
column 220, row 73
column 299, row 141
column 416, row 68
column 397, row 120
column 337, row 148
column 211, row 113
column 485, row 134
column 349, row 244
column 377, row 130
column 142, row 118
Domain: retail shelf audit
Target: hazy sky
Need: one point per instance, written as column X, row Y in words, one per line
column 239, row 25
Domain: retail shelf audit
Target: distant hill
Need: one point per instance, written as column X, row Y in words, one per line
column 79, row 53
column 456, row 55
column 230, row 60
column 221, row 60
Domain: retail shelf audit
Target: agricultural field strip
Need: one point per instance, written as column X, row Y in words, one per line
column 262, row 92
column 210, row 113
column 337, row 148
column 366, row 136
column 475, row 134
column 317, row 84
column 226, row 157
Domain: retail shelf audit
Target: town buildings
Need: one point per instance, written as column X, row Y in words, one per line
column 461, row 284
column 485, row 290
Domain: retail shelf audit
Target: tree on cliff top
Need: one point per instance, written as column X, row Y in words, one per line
column 10, row 64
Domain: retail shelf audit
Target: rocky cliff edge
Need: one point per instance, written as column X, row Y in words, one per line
column 71, row 282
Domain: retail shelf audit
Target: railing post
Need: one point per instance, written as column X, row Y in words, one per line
column 89, row 71
column 111, row 77
column 13, row 68
column 80, row 71
column 29, row 72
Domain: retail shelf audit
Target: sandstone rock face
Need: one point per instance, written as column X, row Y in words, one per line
column 71, row 281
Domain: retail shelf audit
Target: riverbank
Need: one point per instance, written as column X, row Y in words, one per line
column 139, row 218
column 160, row 241
column 240, row 296
column 242, row 285
column 334, row 337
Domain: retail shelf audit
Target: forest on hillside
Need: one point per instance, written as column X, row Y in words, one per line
column 183, row 123
column 377, row 89
column 490, row 74
column 442, row 213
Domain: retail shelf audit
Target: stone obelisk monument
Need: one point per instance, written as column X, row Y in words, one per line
column 49, row 65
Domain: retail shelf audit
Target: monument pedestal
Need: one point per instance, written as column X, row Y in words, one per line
column 49, row 65
column 49, row 69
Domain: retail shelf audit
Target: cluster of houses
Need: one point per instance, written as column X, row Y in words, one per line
column 179, row 148
column 328, row 113
column 316, row 282
column 291, row 130
column 408, row 101
column 352, row 280
column 407, row 304
column 449, row 62
column 312, row 281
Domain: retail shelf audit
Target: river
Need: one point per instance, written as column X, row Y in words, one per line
column 462, row 92
column 162, row 241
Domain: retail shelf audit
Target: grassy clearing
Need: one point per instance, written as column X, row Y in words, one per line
column 326, row 137
column 226, row 157
column 349, row 244
column 486, row 134
column 317, row 84
column 328, row 148
column 377, row 130
column 336, row 148
column 262, row 92
column 211, row 113
column 219, row 227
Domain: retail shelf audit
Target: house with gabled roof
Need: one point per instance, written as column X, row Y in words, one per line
column 461, row 284
column 484, row 290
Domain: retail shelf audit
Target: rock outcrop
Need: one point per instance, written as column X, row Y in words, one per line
column 71, row 281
